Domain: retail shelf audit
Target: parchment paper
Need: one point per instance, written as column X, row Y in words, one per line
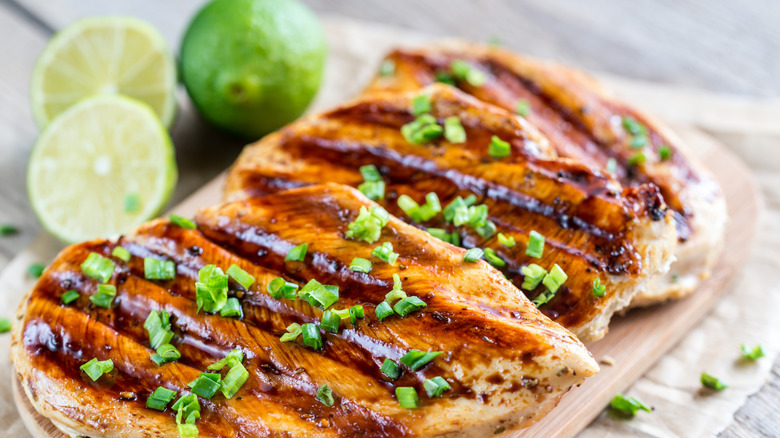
column 748, row 314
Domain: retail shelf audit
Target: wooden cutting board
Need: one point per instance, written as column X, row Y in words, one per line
column 635, row 341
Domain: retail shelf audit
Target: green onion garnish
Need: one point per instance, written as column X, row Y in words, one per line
column 234, row 379
column 245, row 279
column 508, row 242
column 535, row 245
column 281, row 288
column 98, row 267
column 407, row 397
column 104, row 296
column 611, row 166
column 416, row 359
column 232, row 309
column 712, row 382
column 523, row 107
column 499, row 148
column 438, row 233
column 159, row 269
column 311, row 336
column 330, row 321
column 420, row 213
column 187, row 412
column 158, row 327
column 206, row 385
column 298, row 253
column 166, row 353
column 368, row 224
column 5, row 325
column 493, row 258
column 319, row 295
column 453, row 130
column 445, row 78
column 8, row 230
column 325, row 395
column 182, row 222
column 638, row 142
column 422, row 130
column 555, row 278
column 754, row 353
column 211, row 289
column 627, row 405
column 633, row 126
column 356, row 312
column 69, row 297
column 293, row 331
column 599, row 289
column 421, row 104
column 233, row 357
column 474, row 215
column 390, row 368
column 121, row 254
column 132, row 203
column 96, row 368
column 486, row 230
column 360, row 264
column 383, row 310
column 370, row 173
column 435, row 387
column 472, row 255
column 160, row 398
column 387, row 67
column 637, row 159
column 664, row 152
column 533, row 275
column 396, row 293
column 385, row 253
column 408, row 305
column 374, row 191
column 465, row 71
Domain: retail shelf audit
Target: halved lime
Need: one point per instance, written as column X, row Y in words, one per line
column 103, row 166
column 108, row 55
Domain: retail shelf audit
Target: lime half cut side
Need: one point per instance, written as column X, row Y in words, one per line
column 104, row 55
column 102, row 167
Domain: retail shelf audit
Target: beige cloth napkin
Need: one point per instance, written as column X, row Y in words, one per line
column 746, row 315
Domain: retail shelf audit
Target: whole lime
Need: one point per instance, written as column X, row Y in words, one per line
column 252, row 66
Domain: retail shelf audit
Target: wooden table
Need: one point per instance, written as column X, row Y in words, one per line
column 714, row 45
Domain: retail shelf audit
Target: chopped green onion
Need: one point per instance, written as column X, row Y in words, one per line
column 408, row 305
column 8, row 230
column 387, row 67
column 311, row 336
column 611, row 166
column 234, row 379
column 319, row 295
column 233, row 357
column 330, row 321
column 420, row 213
column 416, row 359
column 421, row 104
column 370, row 173
column 159, row 269
column 754, row 353
column 356, row 312
column 232, row 309
column 543, row 298
column 407, row 397
column 5, row 325
column 245, row 279
column 104, row 296
column 187, row 412
column 438, row 233
column 627, row 405
column 166, row 353
column 158, row 327
column 499, row 148
column 325, row 396
column 486, row 230
column 132, row 203
column 390, row 368
column 555, row 278
column 493, row 258
column 206, row 385
column 374, row 191
column 422, row 130
column 383, row 310
column 453, row 130
column 69, row 297
column 121, row 254
column 435, row 387
column 298, row 253
column 360, row 264
column 472, row 255
column 523, row 107
column 211, row 289
column 633, row 126
column 396, row 293
column 465, row 71
column 599, row 289
column 385, row 253
column 281, row 288
column 533, row 275
column 508, row 242
column 639, row 142
column 712, row 382
column 96, row 368
column 637, row 159
column 474, row 215
column 445, row 78
column 293, row 331
column 98, row 267
column 368, row 224
column 664, row 152
column 407, row 204
column 160, row 398
column 535, row 246
column 182, row 222
column 342, row 313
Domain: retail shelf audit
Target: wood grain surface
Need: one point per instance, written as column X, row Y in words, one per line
column 713, row 45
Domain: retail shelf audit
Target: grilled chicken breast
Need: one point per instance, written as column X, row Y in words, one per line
column 505, row 363
column 595, row 231
column 585, row 123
